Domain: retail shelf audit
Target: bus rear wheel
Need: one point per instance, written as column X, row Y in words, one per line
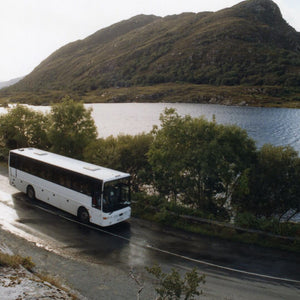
column 30, row 192
column 83, row 215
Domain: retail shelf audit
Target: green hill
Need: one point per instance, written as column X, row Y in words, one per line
column 243, row 54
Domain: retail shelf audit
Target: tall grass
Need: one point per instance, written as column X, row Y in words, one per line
column 14, row 261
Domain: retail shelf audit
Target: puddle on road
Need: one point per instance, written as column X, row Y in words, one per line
column 28, row 221
column 8, row 214
column 9, row 221
column 6, row 198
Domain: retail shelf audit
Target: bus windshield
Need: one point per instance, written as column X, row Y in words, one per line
column 116, row 195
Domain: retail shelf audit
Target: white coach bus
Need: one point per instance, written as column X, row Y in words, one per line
column 93, row 193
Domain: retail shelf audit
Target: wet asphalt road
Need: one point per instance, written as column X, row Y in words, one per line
column 97, row 261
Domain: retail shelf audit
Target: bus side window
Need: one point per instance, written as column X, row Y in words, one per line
column 68, row 182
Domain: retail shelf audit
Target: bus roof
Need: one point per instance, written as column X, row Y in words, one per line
column 91, row 170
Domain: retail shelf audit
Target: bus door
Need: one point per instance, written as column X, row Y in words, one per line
column 96, row 194
column 96, row 198
column 13, row 172
column 13, row 165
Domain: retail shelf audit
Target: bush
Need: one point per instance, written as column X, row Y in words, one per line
column 271, row 225
column 247, row 220
column 290, row 229
column 143, row 204
column 173, row 286
column 164, row 216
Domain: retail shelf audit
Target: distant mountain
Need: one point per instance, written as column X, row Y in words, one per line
column 10, row 82
column 249, row 46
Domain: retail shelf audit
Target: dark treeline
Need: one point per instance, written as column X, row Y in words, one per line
column 188, row 164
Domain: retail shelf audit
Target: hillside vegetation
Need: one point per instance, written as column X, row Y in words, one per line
column 246, row 54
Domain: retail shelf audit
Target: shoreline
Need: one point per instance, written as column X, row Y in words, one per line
column 30, row 105
column 239, row 95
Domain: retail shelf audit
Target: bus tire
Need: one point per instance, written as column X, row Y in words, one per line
column 83, row 215
column 30, row 192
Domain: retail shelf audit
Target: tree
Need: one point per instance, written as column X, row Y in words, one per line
column 72, row 128
column 173, row 286
column 103, row 152
column 165, row 154
column 23, row 127
column 273, row 182
column 133, row 157
column 197, row 160
column 237, row 154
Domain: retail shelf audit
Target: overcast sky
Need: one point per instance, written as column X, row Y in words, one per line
column 31, row 30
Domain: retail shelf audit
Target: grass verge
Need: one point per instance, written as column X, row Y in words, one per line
column 14, row 261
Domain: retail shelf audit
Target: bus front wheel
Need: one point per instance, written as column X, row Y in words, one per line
column 83, row 215
column 30, row 192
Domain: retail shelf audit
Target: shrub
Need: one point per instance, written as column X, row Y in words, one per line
column 173, row 286
column 247, row 220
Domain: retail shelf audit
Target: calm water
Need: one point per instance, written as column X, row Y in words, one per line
column 277, row 126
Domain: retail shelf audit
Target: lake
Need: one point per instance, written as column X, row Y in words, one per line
column 277, row 126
